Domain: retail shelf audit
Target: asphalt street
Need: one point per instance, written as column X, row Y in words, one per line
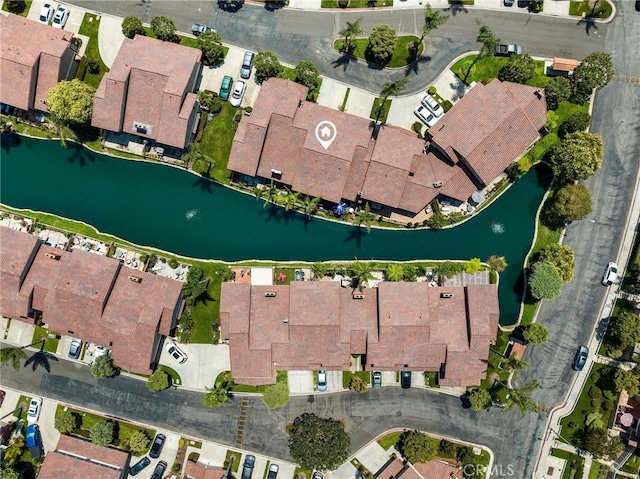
column 296, row 35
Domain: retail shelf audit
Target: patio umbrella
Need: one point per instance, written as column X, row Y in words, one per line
column 340, row 208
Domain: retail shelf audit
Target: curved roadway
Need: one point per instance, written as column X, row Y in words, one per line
column 296, row 35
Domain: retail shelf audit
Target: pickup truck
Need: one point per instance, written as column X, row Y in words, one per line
column 505, row 49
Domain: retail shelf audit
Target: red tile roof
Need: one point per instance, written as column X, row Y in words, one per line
column 565, row 64
column 391, row 470
column 491, row 126
column 78, row 459
column 33, row 59
column 318, row 325
column 198, row 471
column 151, row 83
column 91, row 297
column 436, row 469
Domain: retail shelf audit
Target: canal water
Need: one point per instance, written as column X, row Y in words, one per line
column 164, row 207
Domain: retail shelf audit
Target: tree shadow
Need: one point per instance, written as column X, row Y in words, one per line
column 456, row 8
column 413, row 67
column 355, row 234
column 230, row 6
column 273, row 5
column 81, row 155
column 589, row 23
column 9, row 141
column 278, row 214
column 343, row 61
column 205, row 184
column 204, row 298
column 40, row 358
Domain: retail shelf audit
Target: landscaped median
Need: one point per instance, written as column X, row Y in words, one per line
column 404, row 54
column 356, row 3
column 590, row 8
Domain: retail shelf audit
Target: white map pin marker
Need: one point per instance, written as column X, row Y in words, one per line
column 326, row 132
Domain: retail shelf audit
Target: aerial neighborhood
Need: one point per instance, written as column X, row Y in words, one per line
column 310, row 239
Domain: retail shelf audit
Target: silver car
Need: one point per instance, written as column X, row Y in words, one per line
column 425, row 115
column 432, row 105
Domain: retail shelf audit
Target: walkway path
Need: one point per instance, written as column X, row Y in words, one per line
column 110, row 38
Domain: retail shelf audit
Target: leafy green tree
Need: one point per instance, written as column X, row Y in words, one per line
column 267, row 66
column 536, row 333
column 318, row 443
column 601, row 445
column 158, row 381
column 290, row 200
column 307, row 74
column 480, row 399
column 356, row 384
column 195, row 286
column 103, row 367
column 578, row 121
column 545, row 281
column 164, row 29
column 310, row 205
column 139, row 442
column 437, row 221
column 577, row 157
column 352, row 30
column 561, row 257
column 16, row 7
column 489, row 44
column 382, row 44
column 627, row 380
column 12, row 356
column 394, row 272
column 71, row 102
column 571, row 202
column 447, row 449
column 594, row 71
column 103, row 433
column 497, row 263
column 417, row 447
column 433, row 19
column 7, row 473
column 520, row 69
column 473, row 266
column 276, row 395
column 391, row 88
column 218, row 394
column 520, row 397
column 211, row 45
column 558, row 89
column 132, row 26
column 269, row 193
column 360, row 273
column 625, row 328
column 318, row 269
column 14, row 450
column 594, row 421
column 365, row 217
column 66, row 422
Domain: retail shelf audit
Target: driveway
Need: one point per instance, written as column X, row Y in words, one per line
column 300, row 382
column 204, row 363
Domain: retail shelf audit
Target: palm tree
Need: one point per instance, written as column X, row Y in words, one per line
column 395, row 272
column 360, row 273
column 390, row 88
column 318, row 269
column 520, row 397
column 269, row 194
column 433, row 19
column 192, row 291
column 12, row 356
column 352, row 30
column 290, row 200
column 514, row 365
column 365, row 216
column 497, row 263
column 489, row 43
column 310, row 205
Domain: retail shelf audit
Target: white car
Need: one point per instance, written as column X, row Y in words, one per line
column 61, row 17
column 238, row 93
column 34, row 409
column 46, row 14
column 425, row 115
column 321, row 383
column 175, row 353
column 610, row 274
column 432, row 105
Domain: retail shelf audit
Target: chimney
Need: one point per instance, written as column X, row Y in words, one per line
column 446, row 295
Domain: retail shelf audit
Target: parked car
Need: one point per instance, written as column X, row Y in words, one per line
column 238, row 93
column 2, row 395
column 76, row 347
column 197, row 29
column 317, row 475
column 405, row 379
column 581, row 358
column 506, row 49
column 637, row 5
column 34, row 409
column 33, row 440
column 273, row 471
column 247, row 63
column 432, row 105
column 158, row 472
column 225, row 88
column 156, row 448
column 46, row 14
column 509, row 3
column 425, row 115
column 610, row 274
column 247, row 468
column 321, row 382
column 139, row 466
column 175, row 352
column 376, row 379
column 61, row 17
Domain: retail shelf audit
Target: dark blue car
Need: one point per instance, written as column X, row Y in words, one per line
column 139, row 466
column 34, row 441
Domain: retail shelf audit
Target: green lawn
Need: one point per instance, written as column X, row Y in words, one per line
column 575, row 463
column 566, row 109
column 186, row 41
column 89, row 27
column 281, row 377
column 632, row 465
column 205, row 313
column 401, row 56
column 236, row 461
column 50, row 344
column 389, row 440
column 289, row 273
column 494, row 360
column 173, row 374
column 594, row 470
column 602, row 10
column 347, row 375
column 357, row 4
column 487, row 68
column 385, row 109
column 217, row 140
column 17, row 7
column 301, row 473
column 24, row 401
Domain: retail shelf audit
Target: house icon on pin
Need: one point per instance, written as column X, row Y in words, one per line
column 325, row 132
